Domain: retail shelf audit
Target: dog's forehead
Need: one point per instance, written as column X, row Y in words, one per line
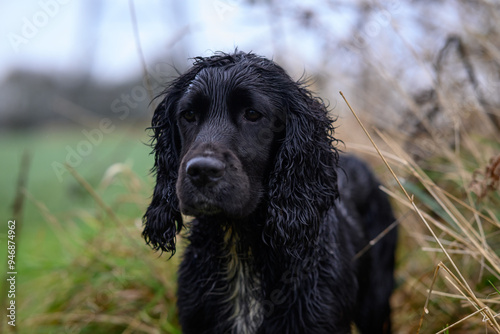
column 220, row 77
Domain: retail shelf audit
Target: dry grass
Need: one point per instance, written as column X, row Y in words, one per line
column 453, row 231
column 113, row 282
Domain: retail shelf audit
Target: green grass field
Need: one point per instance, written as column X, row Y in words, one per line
column 73, row 260
column 61, row 196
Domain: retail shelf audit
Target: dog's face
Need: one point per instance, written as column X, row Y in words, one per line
column 227, row 125
column 235, row 136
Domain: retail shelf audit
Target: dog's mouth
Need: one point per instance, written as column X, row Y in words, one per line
column 205, row 205
column 201, row 208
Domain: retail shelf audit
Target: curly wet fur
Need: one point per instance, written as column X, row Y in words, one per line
column 279, row 215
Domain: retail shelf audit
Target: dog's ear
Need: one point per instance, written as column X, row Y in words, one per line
column 303, row 184
column 163, row 220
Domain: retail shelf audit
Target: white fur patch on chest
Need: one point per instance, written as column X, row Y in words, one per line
column 244, row 295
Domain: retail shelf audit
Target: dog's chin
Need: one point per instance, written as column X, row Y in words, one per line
column 210, row 209
column 201, row 209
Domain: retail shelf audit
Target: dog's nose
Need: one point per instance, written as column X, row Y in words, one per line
column 205, row 170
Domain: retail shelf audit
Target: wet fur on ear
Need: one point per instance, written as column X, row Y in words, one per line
column 163, row 219
column 303, row 184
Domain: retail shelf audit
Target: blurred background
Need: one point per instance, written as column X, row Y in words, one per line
column 77, row 81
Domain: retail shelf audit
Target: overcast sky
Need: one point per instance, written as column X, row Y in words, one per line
column 97, row 37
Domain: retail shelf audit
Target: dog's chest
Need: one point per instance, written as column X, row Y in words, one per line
column 245, row 296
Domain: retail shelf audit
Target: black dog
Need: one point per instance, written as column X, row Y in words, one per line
column 279, row 217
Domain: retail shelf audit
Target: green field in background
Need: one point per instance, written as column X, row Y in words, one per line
column 38, row 248
column 49, row 149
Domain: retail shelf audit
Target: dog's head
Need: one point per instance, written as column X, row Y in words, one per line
column 236, row 134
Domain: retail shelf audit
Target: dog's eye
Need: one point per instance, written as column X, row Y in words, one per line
column 189, row 116
column 252, row 115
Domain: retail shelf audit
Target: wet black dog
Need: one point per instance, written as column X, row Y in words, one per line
column 279, row 216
